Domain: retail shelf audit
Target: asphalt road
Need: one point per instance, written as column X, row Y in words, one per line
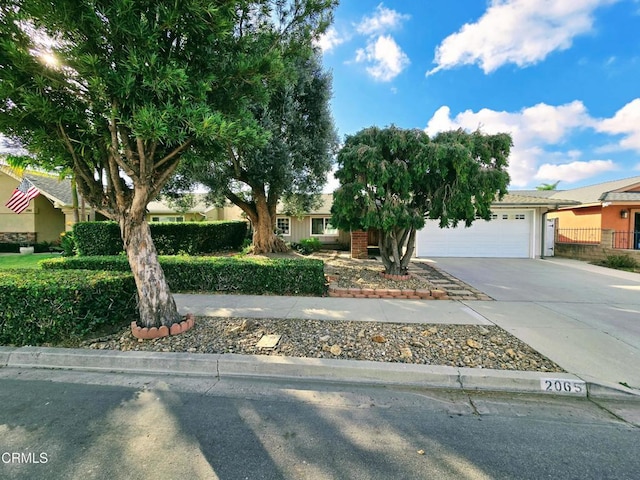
column 74, row 425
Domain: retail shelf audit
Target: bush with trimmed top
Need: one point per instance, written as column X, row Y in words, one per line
column 41, row 306
column 246, row 275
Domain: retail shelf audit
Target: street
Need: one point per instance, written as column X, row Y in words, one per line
column 59, row 424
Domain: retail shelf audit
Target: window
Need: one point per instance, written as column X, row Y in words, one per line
column 520, row 216
column 322, row 226
column 167, row 219
column 505, row 216
column 494, row 216
column 283, row 225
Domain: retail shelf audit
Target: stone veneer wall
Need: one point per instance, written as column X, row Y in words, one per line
column 18, row 237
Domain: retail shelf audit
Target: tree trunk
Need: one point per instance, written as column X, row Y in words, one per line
column 396, row 248
column 155, row 302
column 264, row 238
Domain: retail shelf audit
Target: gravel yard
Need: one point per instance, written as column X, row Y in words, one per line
column 454, row 345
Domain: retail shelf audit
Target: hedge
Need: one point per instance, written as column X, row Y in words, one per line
column 48, row 306
column 193, row 238
column 246, row 275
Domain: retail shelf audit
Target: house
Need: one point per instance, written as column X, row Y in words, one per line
column 163, row 211
column 47, row 216
column 519, row 228
column 610, row 206
column 314, row 224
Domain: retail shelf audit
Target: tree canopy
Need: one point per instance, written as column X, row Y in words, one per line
column 392, row 180
column 121, row 91
column 291, row 166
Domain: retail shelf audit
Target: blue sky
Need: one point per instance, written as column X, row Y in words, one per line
column 562, row 76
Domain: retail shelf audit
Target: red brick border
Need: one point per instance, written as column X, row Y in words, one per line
column 164, row 331
column 405, row 293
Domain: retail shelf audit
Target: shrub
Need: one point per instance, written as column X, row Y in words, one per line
column 246, row 275
column 624, row 262
column 68, row 244
column 97, row 238
column 193, row 238
column 307, row 246
column 40, row 306
column 9, row 247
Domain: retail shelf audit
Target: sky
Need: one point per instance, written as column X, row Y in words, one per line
column 561, row 76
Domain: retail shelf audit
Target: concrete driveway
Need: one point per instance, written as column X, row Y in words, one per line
column 585, row 318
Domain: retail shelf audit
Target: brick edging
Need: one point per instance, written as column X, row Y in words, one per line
column 405, row 293
column 164, row 331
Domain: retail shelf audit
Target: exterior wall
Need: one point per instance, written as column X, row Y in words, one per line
column 611, row 218
column 11, row 222
column 49, row 221
column 587, row 217
column 301, row 229
column 228, row 212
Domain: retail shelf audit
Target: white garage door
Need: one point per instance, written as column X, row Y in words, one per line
column 507, row 235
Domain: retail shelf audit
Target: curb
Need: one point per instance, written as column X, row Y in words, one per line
column 310, row 369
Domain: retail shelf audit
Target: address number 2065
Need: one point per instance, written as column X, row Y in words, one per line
column 562, row 385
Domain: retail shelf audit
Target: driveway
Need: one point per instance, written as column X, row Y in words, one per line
column 585, row 318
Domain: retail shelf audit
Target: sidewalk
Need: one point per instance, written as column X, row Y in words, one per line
column 328, row 308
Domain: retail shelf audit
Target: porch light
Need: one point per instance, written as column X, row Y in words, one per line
column 624, row 213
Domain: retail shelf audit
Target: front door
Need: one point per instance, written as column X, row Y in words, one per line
column 636, row 231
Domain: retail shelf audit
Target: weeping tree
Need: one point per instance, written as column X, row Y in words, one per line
column 392, row 180
column 122, row 91
column 291, row 167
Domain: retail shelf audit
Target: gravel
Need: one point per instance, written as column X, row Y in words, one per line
column 453, row 345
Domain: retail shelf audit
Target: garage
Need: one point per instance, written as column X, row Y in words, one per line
column 509, row 234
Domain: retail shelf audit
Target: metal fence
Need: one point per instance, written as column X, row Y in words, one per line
column 626, row 240
column 593, row 236
column 587, row 236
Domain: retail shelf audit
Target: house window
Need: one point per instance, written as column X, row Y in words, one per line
column 505, row 216
column 283, row 225
column 322, row 226
column 520, row 216
column 165, row 219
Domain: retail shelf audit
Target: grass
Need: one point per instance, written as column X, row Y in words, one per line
column 24, row 261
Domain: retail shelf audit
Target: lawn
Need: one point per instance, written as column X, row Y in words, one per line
column 24, row 261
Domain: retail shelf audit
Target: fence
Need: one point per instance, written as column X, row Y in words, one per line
column 594, row 244
column 586, row 236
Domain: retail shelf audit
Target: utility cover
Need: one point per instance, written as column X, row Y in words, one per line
column 268, row 341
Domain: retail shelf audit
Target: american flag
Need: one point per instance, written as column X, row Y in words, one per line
column 21, row 196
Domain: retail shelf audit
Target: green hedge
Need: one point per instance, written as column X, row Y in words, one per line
column 40, row 306
column 246, row 275
column 193, row 238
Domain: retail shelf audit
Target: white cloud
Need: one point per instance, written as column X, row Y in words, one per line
column 522, row 32
column 532, row 129
column 574, row 171
column 386, row 58
column 382, row 21
column 625, row 122
column 330, row 40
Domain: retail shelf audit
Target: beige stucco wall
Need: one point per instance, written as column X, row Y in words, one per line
column 11, row 222
column 49, row 222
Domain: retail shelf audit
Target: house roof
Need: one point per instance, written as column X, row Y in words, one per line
column 56, row 189
column 597, row 193
column 531, row 198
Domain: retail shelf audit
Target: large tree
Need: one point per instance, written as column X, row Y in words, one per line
column 392, row 180
column 120, row 91
column 291, row 166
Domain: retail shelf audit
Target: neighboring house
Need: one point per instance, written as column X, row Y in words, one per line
column 613, row 206
column 518, row 229
column 48, row 215
column 161, row 211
